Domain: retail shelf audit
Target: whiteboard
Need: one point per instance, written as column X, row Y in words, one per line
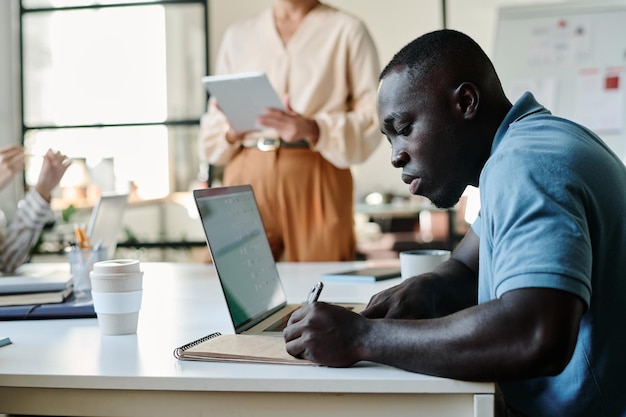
column 572, row 57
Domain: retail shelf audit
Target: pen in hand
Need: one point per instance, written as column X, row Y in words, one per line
column 315, row 292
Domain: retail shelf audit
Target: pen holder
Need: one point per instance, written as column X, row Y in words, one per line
column 81, row 264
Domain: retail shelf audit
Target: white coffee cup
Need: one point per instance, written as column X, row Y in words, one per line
column 117, row 292
column 420, row 261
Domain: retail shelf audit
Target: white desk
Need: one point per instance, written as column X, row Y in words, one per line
column 65, row 367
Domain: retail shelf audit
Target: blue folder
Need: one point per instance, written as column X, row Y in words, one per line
column 72, row 308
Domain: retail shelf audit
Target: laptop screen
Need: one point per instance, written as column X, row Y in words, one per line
column 105, row 223
column 241, row 253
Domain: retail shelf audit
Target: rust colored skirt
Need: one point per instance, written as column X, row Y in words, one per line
column 306, row 202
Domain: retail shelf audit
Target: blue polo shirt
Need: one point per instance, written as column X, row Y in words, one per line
column 553, row 215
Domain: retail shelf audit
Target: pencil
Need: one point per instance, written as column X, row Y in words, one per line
column 82, row 240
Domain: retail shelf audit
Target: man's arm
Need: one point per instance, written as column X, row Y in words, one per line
column 451, row 287
column 525, row 333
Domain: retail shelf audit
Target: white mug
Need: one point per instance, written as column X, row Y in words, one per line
column 420, row 261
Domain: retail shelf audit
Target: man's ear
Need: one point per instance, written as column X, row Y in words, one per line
column 466, row 98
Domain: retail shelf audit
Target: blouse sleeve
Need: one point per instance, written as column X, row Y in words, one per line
column 350, row 137
column 24, row 231
column 212, row 144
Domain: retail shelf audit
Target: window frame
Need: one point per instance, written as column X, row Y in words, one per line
column 25, row 128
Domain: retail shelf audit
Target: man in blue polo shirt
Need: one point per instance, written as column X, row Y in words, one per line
column 534, row 296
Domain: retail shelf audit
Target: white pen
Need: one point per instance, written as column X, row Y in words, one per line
column 314, row 294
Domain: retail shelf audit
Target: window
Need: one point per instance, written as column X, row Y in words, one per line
column 116, row 86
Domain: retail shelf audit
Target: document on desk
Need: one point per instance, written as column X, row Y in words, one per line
column 368, row 274
column 218, row 347
column 30, row 278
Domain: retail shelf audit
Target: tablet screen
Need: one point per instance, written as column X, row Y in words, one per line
column 243, row 97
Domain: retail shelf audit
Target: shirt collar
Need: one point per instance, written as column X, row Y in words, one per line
column 525, row 106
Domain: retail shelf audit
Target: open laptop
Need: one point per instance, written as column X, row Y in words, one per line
column 243, row 260
column 105, row 223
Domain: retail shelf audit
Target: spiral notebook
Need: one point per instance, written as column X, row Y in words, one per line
column 218, row 347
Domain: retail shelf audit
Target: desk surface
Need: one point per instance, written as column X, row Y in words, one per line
column 53, row 362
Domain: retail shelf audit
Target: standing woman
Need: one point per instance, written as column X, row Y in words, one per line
column 324, row 64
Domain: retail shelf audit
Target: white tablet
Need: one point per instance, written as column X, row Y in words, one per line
column 243, row 97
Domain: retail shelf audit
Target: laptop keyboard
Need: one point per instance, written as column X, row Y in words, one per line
column 280, row 324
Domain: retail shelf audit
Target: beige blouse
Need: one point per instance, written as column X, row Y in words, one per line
column 329, row 69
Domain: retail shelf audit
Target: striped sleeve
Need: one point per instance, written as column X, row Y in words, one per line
column 23, row 232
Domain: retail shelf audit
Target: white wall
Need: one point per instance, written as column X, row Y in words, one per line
column 478, row 18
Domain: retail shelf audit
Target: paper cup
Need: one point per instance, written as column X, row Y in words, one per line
column 116, row 266
column 117, row 302
column 118, row 324
column 117, row 312
column 117, row 293
column 117, row 283
column 416, row 262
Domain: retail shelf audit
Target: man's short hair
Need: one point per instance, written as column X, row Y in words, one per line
column 444, row 49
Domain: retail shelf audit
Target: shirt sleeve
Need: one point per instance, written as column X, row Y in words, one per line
column 24, row 231
column 212, row 144
column 350, row 137
column 534, row 225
